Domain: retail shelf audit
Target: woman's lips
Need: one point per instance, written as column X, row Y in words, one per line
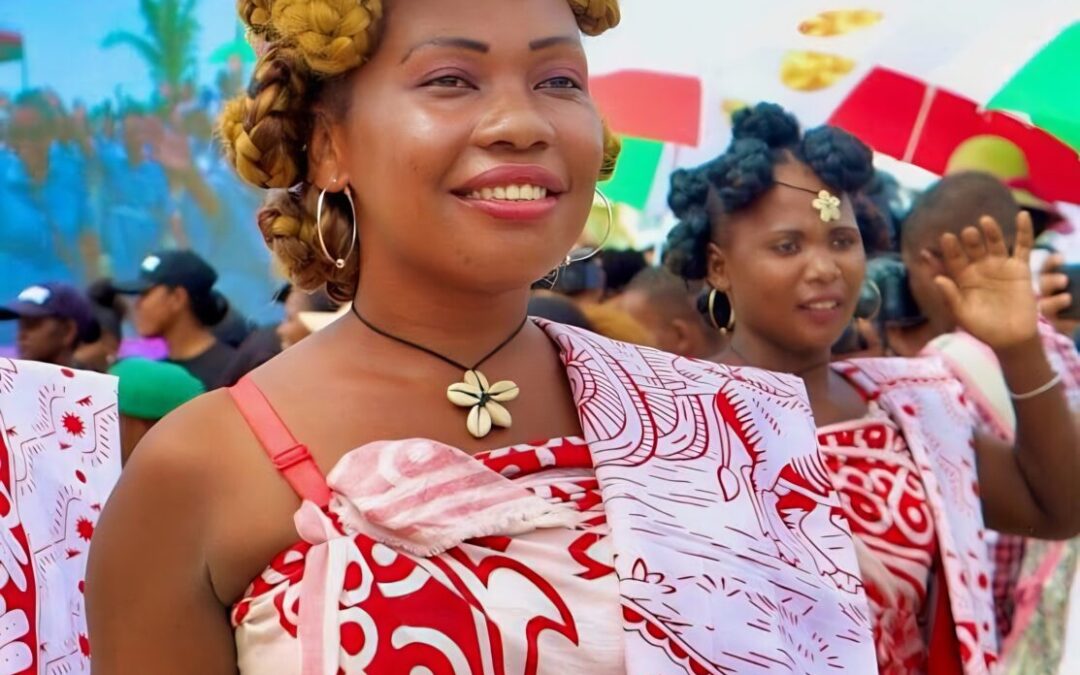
column 822, row 311
column 521, row 210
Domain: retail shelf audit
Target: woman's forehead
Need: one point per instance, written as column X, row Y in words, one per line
column 499, row 24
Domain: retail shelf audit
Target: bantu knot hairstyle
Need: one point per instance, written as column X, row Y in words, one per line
column 304, row 44
column 762, row 137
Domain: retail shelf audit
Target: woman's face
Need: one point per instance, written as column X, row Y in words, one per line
column 471, row 142
column 792, row 278
column 156, row 309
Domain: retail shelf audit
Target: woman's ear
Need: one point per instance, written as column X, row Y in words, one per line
column 716, row 271
column 326, row 170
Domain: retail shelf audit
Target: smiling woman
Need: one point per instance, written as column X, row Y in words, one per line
column 450, row 485
column 769, row 224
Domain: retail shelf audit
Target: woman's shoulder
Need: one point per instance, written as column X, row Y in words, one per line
column 893, row 368
column 187, row 444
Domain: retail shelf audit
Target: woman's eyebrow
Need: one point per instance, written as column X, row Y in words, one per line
column 484, row 48
column 554, row 41
column 458, row 42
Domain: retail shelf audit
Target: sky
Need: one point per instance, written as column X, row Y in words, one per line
column 62, row 44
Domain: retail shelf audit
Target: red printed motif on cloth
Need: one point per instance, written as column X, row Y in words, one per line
column 59, row 460
column 694, row 529
column 885, row 502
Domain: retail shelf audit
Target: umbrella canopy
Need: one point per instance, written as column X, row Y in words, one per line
column 939, row 130
column 993, row 53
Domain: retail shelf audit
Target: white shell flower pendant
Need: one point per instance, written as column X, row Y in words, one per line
column 484, row 402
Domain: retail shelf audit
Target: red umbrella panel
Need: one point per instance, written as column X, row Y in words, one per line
column 921, row 124
column 654, row 105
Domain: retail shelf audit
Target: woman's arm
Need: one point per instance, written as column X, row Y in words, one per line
column 151, row 606
column 1034, row 487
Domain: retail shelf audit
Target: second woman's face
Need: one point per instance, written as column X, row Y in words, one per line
column 155, row 310
column 793, row 279
column 471, row 141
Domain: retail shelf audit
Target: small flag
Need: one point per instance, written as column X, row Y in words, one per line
column 11, row 46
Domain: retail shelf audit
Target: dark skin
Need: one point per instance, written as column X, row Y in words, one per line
column 47, row 339
column 166, row 313
column 675, row 323
column 420, row 126
column 775, row 256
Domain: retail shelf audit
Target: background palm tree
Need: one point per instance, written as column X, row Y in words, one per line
column 168, row 43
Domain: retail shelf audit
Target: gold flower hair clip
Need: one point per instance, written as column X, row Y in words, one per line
column 826, row 203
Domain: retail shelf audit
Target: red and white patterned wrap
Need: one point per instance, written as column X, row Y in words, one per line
column 695, row 530
column 59, row 460
column 930, row 406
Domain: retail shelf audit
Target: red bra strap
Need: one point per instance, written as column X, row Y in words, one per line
column 290, row 457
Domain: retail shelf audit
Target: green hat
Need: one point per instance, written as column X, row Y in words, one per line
column 150, row 390
column 1002, row 159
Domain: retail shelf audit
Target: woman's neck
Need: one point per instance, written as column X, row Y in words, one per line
column 463, row 325
column 751, row 351
column 187, row 338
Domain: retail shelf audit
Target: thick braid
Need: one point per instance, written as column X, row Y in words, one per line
column 596, row 16
column 838, row 158
column 742, row 174
column 334, row 36
column 265, row 133
column 612, row 147
column 685, row 250
column 256, row 15
column 289, row 227
column 768, row 123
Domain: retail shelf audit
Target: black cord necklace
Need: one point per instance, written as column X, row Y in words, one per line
column 483, row 400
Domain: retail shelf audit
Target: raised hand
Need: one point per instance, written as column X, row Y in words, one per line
column 989, row 291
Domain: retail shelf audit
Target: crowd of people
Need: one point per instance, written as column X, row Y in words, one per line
column 813, row 431
column 88, row 193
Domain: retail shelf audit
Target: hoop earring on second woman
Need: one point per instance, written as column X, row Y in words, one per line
column 720, row 312
column 338, row 262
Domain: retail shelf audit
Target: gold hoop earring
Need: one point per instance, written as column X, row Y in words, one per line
column 729, row 325
column 607, row 234
column 338, row 262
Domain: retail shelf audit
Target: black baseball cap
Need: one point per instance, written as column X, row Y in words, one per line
column 175, row 269
column 55, row 300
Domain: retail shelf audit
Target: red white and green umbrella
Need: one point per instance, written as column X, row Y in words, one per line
column 672, row 116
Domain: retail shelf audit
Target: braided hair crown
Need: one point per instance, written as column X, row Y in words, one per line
column 303, row 44
column 762, row 137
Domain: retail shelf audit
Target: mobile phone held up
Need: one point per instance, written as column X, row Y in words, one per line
column 1072, row 271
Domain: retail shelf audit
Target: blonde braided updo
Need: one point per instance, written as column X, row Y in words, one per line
column 302, row 44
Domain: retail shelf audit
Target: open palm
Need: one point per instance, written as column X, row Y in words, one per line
column 989, row 291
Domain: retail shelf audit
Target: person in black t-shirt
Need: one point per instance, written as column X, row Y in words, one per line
column 177, row 302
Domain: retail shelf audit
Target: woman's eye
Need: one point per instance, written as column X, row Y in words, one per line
column 449, row 81
column 786, row 248
column 559, row 83
column 844, row 243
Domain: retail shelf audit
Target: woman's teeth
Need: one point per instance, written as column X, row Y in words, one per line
column 511, row 193
column 825, row 304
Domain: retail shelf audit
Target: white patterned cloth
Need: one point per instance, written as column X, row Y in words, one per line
column 59, row 460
